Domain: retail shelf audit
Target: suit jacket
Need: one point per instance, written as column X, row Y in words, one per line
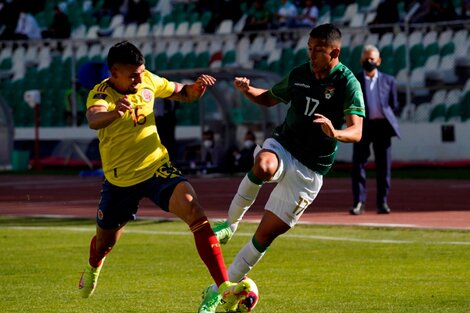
column 388, row 99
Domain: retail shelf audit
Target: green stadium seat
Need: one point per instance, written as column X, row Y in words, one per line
column 175, row 61
column 417, row 56
column 202, row 59
column 301, row 56
column 399, row 56
column 161, row 61
column 465, row 106
column 454, row 112
column 189, row 60
column 229, row 58
column 447, row 49
column 431, row 49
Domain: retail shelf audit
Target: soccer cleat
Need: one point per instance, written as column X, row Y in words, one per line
column 222, row 231
column 210, row 300
column 232, row 294
column 89, row 279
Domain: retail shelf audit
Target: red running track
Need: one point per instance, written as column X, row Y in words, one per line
column 415, row 203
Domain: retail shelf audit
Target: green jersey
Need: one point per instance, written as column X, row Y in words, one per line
column 334, row 96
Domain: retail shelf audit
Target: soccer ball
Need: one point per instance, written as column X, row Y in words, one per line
column 249, row 303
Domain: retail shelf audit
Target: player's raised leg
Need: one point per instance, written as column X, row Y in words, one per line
column 185, row 205
column 265, row 167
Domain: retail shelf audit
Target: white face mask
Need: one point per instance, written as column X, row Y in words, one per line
column 248, row 143
column 208, row 143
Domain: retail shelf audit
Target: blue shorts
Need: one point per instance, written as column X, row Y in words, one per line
column 118, row 205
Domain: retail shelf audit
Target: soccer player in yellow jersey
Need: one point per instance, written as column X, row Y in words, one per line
column 136, row 164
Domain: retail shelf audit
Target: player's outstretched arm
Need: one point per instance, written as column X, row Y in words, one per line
column 257, row 95
column 352, row 132
column 190, row 93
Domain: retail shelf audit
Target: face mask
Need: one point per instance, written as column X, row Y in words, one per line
column 369, row 66
column 207, row 144
column 248, row 143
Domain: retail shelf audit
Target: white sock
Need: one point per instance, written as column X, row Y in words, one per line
column 245, row 197
column 246, row 258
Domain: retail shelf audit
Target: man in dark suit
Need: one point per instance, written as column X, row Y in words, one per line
column 380, row 125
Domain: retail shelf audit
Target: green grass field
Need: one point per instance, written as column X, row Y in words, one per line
column 155, row 268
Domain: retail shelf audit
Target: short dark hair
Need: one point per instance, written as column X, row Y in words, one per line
column 125, row 53
column 329, row 32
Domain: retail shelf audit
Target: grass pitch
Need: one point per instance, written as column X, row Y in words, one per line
column 155, row 268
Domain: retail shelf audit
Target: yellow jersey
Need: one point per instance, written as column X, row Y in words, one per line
column 130, row 147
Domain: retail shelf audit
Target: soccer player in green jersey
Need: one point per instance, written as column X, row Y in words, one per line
column 323, row 95
column 136, row 164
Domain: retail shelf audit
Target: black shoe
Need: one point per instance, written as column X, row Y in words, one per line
column 383, row 209
column 357, row 209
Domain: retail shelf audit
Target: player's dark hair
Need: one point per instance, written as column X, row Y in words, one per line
column 329, row 32
column 125, row 53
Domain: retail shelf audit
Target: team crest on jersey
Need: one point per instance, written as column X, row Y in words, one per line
column 329, row 91
column 146, row 95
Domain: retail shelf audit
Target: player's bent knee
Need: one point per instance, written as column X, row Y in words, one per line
column 266, row 165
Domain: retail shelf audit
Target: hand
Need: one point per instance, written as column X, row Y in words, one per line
column 204, row 81
column 123, row 105
column 242, row 83
column 325, row 124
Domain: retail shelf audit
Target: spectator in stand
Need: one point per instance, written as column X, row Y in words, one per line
column 27, row 26
column 138, row 11
column 246, row 160
column 213, row 153
column 286, row 15
column 258, row 17
column 309, row 15
column 60, row 26
column 387, row 13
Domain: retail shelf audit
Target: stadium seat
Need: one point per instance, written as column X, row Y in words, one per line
column 358, row 20
column 229, row 58
column 385, row 40
column 182, row 29
column 446, row 49
column 302, row 57
column 421, row 114
column 432, row 63
column 465, row 105
column 453, row 107
column 351, row 13
column 225, row 27
column 169, row 29
column 417, row 56
column 143, row 30
column 175, row 61
column 161, row 61
column 437, row 106
column 118, row 32
column 337, row 13
column 195, row 29
column 189, row 61
column 202, row 59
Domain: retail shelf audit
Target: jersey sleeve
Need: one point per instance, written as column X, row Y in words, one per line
column 163, row 87
column 98, row 96
column 354, row 100
column 280, row 90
